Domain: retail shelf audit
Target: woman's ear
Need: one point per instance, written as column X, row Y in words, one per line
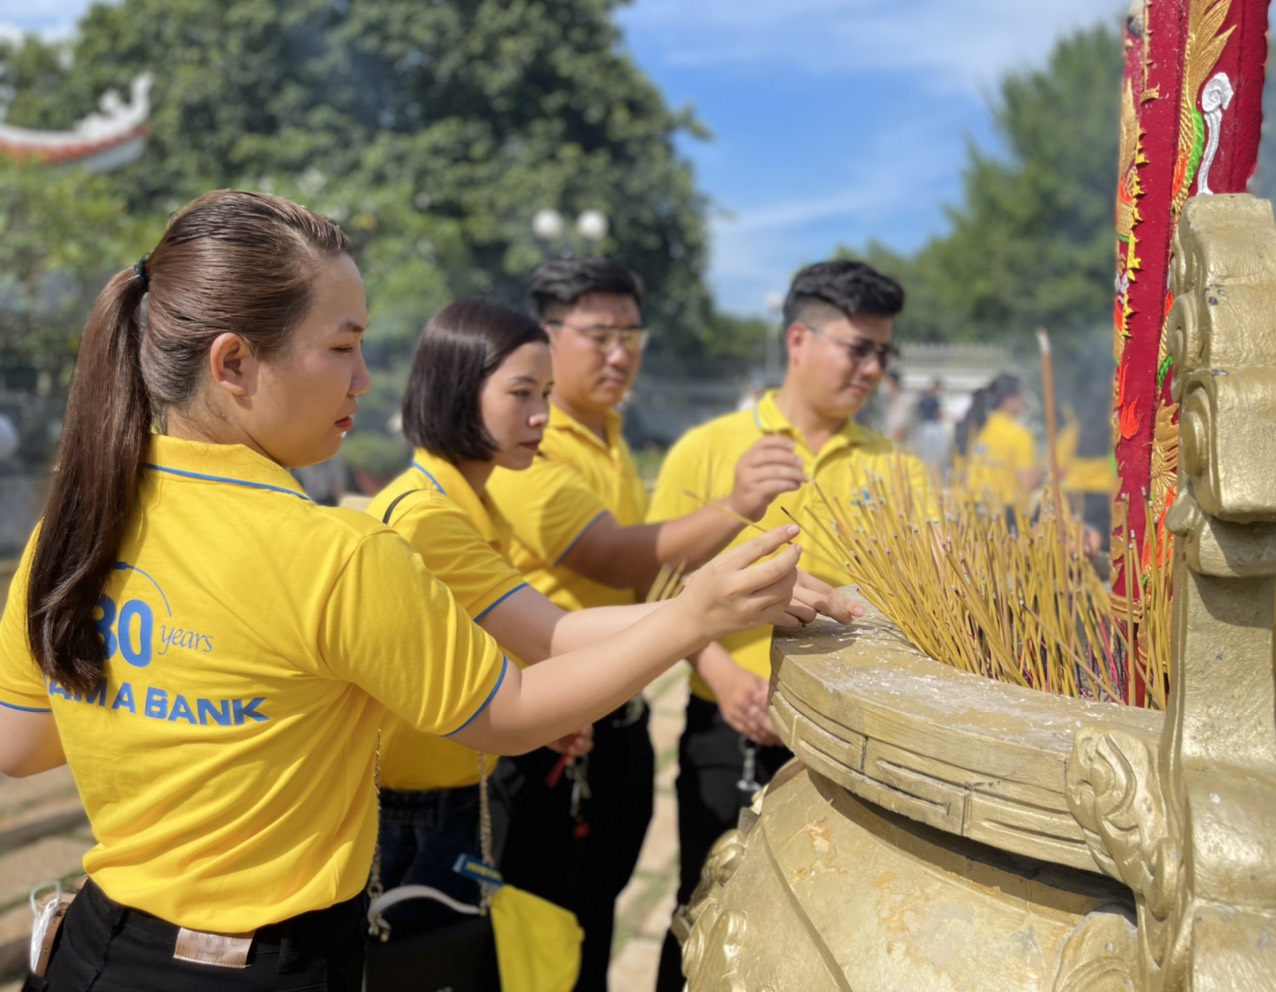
column 233, row 365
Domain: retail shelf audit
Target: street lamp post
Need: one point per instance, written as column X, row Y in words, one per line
column 771, row 345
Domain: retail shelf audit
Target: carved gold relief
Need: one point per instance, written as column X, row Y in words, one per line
column 705, row 907
column 1114, row 791
column 1188, row 827
column 1100, row 955
column 1204, row 44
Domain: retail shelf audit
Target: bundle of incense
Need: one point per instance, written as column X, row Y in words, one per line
column 667, row 584
column 994, row 591
column 1145, row 608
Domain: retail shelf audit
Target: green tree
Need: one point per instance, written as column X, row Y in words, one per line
column 441, row 128
column 63, row 232
column 431, row 132
column 30, row 72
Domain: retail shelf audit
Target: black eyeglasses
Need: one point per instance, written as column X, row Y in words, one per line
column 861, row 348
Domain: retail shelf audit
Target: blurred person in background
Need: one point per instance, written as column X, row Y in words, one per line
column 1087, row 466
column 897, row 412
column 8, row 437
column 998, row 453
column 930, row 439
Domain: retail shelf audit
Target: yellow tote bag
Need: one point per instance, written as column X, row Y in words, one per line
column 537, row 942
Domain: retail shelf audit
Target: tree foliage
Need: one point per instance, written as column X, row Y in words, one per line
column 432, row 132
column 432, row 129
column 62, row 233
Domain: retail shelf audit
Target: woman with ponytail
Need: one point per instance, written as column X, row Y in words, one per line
column 213, row 654
column 1000, row 453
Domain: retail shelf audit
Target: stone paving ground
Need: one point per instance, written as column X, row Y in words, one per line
column 43, row 835
column 648, row 900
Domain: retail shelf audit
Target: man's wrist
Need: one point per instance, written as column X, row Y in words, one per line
column 733, row 503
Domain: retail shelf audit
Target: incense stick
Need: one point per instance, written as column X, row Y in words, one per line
column 759, row 528
column 1005, row 597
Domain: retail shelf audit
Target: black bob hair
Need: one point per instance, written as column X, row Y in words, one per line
column 560, row 283
column 458, row 349
column 852, row 287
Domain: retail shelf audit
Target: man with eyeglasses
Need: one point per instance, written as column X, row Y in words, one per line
column 838, row 321
column 574, row 835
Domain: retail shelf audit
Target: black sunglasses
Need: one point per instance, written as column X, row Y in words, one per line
column 861, row 348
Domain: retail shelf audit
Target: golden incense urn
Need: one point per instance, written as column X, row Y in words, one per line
column 941, row 831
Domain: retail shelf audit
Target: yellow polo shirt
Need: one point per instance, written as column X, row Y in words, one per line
column 1002, row 449
column 576, row 478
column 1083, row 474
column 463, row 541
column 255, row 641
column 1090, row 475
column 703, row 462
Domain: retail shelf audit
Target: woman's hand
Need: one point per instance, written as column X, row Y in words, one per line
column 812, row 597
column 739, row 591
column 574, row 745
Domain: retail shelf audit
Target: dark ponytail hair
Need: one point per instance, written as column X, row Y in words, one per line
column 230, row 261
column 985, row 400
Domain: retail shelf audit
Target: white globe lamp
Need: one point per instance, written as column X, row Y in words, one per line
column 592, row 224
column 547, row 224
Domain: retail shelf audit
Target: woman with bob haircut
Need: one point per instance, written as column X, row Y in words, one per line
column 477, row 400
column 214, row 655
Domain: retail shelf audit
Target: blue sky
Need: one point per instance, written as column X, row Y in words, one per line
column 834, row 121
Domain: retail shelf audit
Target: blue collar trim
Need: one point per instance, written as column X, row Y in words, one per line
column 227, row 479
column 426, row 472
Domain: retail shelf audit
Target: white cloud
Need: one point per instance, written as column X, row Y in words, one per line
column 965, row 45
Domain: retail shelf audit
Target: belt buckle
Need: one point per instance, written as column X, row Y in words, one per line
column 631, row 714
column 49, row 908
column 221, row 950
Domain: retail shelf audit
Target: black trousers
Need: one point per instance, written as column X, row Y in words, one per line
column 710, row 768
column 581, row 865
column 106, row 947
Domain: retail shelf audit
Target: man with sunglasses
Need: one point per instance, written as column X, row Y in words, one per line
column 838, row 321
column 574, row 835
